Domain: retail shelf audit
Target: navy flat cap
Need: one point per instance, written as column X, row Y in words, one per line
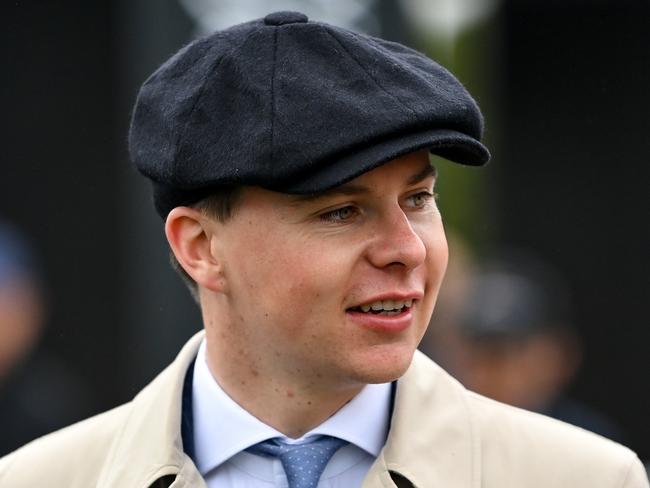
column 294, row 106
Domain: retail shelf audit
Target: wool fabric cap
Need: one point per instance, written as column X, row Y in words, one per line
column 294, row 106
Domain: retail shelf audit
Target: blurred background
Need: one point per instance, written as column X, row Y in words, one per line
column 90, row 310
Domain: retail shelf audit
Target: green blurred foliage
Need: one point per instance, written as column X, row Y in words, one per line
column 468, row 197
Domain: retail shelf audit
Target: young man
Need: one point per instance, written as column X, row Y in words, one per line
column 290, row 162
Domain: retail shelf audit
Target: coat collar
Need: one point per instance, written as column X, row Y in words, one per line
column 149, row 445
column 432, row 441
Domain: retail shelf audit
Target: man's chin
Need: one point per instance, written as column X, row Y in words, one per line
column 384, row 366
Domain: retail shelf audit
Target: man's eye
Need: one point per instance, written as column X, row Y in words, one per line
column 421, row 199
column 340, row 214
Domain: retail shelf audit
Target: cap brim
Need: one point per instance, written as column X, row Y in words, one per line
column 454, row 146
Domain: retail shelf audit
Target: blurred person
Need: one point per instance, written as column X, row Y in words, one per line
column 37, row 394
column 290, row 161
column 510, row 337
column 21, row 304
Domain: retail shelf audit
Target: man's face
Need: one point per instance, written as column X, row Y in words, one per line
column 302, row 273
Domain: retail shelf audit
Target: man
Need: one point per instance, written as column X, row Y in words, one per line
column 289, row 160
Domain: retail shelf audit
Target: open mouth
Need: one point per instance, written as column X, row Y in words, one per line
column 384, row 307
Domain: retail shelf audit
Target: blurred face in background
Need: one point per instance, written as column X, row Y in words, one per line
column 21, row 316
column 529, row 372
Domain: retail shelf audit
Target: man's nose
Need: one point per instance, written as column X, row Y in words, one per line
column 396, row 243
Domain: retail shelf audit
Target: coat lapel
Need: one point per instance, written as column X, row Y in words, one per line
column 432, row 441
column 149, row 446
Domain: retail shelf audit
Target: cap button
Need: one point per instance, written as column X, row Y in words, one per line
column 286, row 17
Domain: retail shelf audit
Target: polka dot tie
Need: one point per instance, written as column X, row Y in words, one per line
column 302, row 463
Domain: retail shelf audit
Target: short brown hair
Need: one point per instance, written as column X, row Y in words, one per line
column 218, row 205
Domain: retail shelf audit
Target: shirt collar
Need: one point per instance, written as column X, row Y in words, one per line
column 222, row 428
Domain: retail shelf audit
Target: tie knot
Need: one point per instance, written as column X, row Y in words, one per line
column 302, row 463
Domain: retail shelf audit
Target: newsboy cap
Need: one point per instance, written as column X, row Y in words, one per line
column 294, row 106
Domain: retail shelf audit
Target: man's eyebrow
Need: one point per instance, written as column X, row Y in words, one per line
column 351, row 189
column 427, row 171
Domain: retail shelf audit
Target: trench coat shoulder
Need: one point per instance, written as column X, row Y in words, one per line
column 69, row 457
column 445, row 435
column 133, row 445
column 520, row 445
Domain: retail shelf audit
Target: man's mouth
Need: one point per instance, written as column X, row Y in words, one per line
column 384, row 307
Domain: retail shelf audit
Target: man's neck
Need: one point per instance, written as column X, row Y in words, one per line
column 291, row 405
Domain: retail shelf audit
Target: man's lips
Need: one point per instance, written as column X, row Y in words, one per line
column 386, row 313
column 388, row 307
column 387, row 302
column 391, row 321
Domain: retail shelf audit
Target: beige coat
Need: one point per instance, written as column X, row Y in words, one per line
column 441, row 436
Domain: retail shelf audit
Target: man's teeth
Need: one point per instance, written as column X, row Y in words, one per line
column 386, row 305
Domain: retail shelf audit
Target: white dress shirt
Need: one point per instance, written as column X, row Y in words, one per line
column 223, row 430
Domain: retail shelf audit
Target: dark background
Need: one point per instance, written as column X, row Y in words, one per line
column 569, row 178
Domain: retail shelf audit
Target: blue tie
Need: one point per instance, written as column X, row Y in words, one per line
column 302, row 463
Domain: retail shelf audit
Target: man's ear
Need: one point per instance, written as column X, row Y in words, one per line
column 189, row 234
